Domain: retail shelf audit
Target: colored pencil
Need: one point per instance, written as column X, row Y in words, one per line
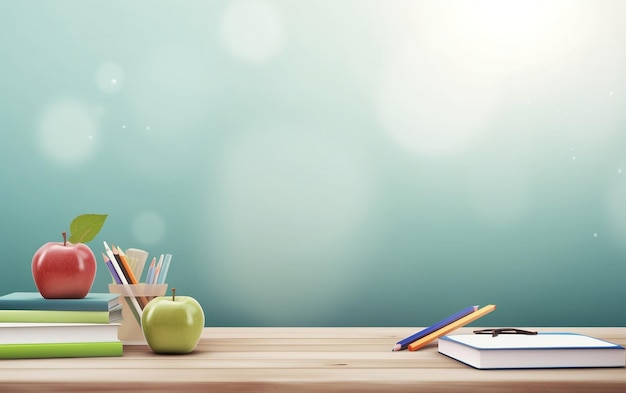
column 130, row 276
column 157, row 270
column 135, row 304
column 151, row 271
column 107, row 262
column 164, row 269
column 414, row 346
column 404, row 343
column 125, row 267
column 118, row 281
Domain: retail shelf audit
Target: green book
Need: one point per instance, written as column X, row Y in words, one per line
column 112, row 316
column 34, row 301
column 60, row 350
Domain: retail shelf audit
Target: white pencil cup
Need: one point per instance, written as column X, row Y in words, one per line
column 130, row 332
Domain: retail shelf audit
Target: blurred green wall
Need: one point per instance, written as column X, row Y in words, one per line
column 345, row 163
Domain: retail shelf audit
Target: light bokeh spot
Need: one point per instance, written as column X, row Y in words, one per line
column 498, row 38
column 431, row 106
column 149, row 227
column 110, row 78
column 68, row 130
column 252, row 31
column 453, row 63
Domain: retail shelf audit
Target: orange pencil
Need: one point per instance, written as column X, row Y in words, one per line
column 128, row 271
column 414, row 346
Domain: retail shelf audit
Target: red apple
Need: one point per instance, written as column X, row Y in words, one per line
column 64, row 270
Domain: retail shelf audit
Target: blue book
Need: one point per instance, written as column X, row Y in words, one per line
column 34, row 301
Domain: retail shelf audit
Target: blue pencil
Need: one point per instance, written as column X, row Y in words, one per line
column 404, row 343
column 114, row 275
column 164, row 269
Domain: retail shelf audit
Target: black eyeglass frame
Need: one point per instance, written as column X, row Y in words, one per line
column 495, row 332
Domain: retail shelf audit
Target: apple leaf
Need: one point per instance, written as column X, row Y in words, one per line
column 85, row 227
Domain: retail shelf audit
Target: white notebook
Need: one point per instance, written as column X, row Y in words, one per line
column 48, row 333
column 544, row 350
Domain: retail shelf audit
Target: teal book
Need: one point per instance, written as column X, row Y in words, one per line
column 34, row 301
column 111, row 316
column 61, row 350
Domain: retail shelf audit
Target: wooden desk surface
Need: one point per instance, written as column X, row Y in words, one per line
column 301, row 359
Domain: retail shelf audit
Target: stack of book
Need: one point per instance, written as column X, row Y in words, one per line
column 32, row 326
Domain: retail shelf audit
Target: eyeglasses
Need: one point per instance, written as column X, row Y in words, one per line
column 495, row 332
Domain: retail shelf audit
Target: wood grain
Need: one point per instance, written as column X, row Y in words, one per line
column 301, row 360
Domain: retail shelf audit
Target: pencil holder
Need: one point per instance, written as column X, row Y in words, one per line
column 130, row 332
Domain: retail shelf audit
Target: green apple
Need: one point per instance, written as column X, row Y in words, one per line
column 172, row 324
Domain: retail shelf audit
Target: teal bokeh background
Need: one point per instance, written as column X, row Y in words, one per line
column 345, row 163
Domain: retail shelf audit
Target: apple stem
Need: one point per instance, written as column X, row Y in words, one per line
column 173, row 293
column 65, row 238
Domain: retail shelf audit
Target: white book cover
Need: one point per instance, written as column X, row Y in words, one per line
column 543, row 350
column 48, row 333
